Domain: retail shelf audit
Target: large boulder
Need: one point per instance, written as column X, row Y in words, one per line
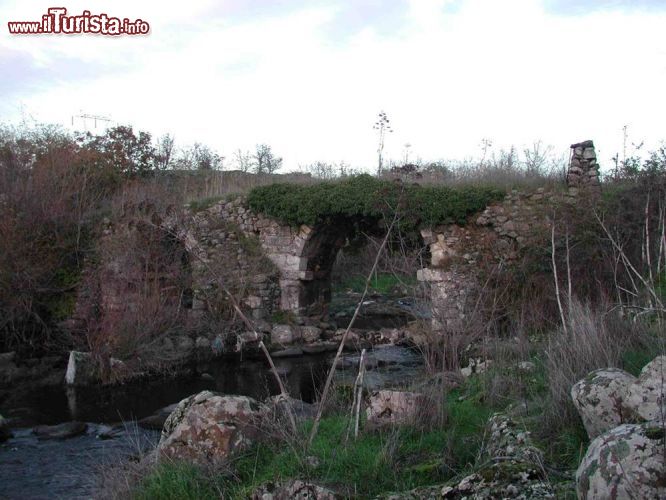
column 627, row 462
column 647, row 395
column 394, row 408
column 600, row 399
column 208, row 427
column 294, row 489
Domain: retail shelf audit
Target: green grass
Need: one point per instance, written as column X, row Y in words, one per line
column 382, row 283
column 378, row 462
column 177, row 481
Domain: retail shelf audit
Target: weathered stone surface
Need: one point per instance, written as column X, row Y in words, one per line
column 512, row 468
column 208, row 427
column 82, row 369
column 627, row 462
column 60, row 431
column 295, row 489
column 647, row 396
column 310, row 334
column 284, row 334
column 600, row 399
column 394, row 408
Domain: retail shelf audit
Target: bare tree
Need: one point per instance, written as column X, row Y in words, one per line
column 164, row 150
column 383, row 127
column 536, row 157
column 265, row 162
column 243, row 160
column 205, row 158
column 322, row 170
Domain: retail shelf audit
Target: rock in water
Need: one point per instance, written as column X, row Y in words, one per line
column 82, row 369
column 647, row 395
column 208, row 427
column 284, row 334
column 627, row 462
column 600, row 399
column 60, row 431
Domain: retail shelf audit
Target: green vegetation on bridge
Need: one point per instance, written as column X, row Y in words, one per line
column 367, row 196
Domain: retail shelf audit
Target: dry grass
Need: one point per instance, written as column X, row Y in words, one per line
column 593, row 339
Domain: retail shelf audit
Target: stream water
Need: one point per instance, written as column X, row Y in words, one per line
column 39, row 469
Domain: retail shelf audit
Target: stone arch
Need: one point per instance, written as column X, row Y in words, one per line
column 305, row 258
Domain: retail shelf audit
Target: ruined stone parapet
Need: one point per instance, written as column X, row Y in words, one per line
column 583, row 168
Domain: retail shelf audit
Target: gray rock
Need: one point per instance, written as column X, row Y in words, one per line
column 319, row 347
column 110, row 431
column 647, row 396
column 600, row 399
column 83, row 370
column 627, row 462
column 294, row 489
column 387, row 408
column 208, row 427
column 60, row 431
column 283, row 334
column 511, row 468
column 289, row 352
column 310, row 334
column 202, row 343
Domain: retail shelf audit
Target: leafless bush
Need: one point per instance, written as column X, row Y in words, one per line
column 49, row 193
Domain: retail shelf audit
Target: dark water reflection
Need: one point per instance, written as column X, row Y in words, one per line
column 136, row 400
column 31, row 469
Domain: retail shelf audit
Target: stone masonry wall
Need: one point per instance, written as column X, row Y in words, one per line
column 282, row 245
column 497, row 235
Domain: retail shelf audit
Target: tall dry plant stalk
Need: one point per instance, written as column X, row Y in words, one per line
column 331, row 372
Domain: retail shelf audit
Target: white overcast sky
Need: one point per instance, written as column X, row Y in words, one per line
column 309, row 77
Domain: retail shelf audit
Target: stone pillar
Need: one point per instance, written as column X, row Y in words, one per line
column 449, row 280
column 583, row 168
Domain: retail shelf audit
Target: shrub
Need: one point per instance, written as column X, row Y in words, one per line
column 366, row 196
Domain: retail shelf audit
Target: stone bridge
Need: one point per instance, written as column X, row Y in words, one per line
column 302, row 257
